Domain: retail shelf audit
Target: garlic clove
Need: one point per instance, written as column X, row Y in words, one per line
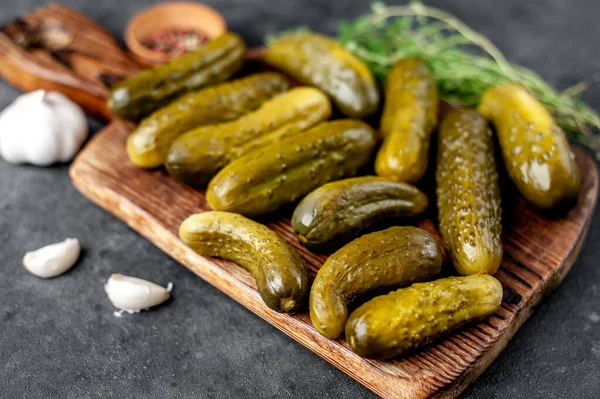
column 134, row 294
column 53, row 260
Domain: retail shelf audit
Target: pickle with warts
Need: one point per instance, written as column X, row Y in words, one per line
column 409, row 117
column 266, row 179
column 319, row 61
column 338, row 211
column 151, row 89
column 281, row 275
column 149, row 143
column 468, row 195
column 392, row 258
column 409, row 318
column 196, row 156
column 535, row 150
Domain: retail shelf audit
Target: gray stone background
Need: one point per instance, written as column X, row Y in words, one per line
column 59, row 338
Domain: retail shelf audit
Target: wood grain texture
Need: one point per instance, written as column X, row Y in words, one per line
column 57, row 48
column 538, row 254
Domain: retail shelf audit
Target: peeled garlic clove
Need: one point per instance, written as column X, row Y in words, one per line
column 53, row 260
column 134, row 294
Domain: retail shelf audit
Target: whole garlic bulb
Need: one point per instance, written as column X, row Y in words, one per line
column 41, row 128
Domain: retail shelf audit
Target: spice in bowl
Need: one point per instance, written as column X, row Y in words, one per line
column 170, row 29
column 175, row 42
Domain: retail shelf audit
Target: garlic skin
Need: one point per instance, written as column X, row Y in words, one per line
column 53, row 260
column 134, row 294
column 41, row 128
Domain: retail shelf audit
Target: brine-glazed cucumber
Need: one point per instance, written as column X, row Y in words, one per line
column 281, row 275
column 535, row 150
column 468, row 195
column 196, row 156
column 266, row 179
column 149, row 144
column 387, row 259
column 320, row 61
column 151, row 89
column 336, row 212
column 404, row 320
column 409, row 116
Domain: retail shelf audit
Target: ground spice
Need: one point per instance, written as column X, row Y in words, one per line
column 176, row 41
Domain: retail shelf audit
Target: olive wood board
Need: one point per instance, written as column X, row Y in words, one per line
column 57, row 48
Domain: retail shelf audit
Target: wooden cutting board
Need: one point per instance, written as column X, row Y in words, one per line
column 538, row 251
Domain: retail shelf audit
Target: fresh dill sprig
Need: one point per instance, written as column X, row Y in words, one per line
column 464, row 63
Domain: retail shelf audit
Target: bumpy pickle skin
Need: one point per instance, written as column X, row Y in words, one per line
column 468, row 195
column 388, row 259
column 264, row 180
column 535, row 150
column 319, row 61
column 281, row 275
column 402, row 321
column 151, row 89
column 338, row 211
column 409, row 116
column 149, row 143
column 196, row 156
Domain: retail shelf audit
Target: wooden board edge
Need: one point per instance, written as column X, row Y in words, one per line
column 358, row 369
column 459, row 385
column 234, row 288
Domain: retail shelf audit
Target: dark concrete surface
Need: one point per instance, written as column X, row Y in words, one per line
column 60, row 339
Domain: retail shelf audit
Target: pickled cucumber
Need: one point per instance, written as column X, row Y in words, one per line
column 320, row 61
column 266, row 179
column 149, row 144
column 412, row 317
column 468, row 195
column 337, row 211
column 151, row 89
column 196, row 156
column 387, row 259
column 281, row 275
column 409, row 117
column 535, row 150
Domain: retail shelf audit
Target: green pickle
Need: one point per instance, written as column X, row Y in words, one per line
column 149, row 144
column 338, row 211
column 281, row 275
column 535, row 150
column 388, row 259
column 409, row 117
column 196, row 156
column 264, row 180
column 409, row 318
column 319, row 61
column 468, row 195
column 151, row 89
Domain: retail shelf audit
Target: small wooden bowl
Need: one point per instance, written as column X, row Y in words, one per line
column 164, row 16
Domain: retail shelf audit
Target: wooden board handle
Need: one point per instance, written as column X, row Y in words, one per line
column 57, row 48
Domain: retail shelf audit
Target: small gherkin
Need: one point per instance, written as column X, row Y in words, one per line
column 535, row 149
column 264, row 180
column 319, row 61
column 468, row 195
column 338, row 211
column 141, row 94
column 409, row 318
column 409, row 116
column 281, row 274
